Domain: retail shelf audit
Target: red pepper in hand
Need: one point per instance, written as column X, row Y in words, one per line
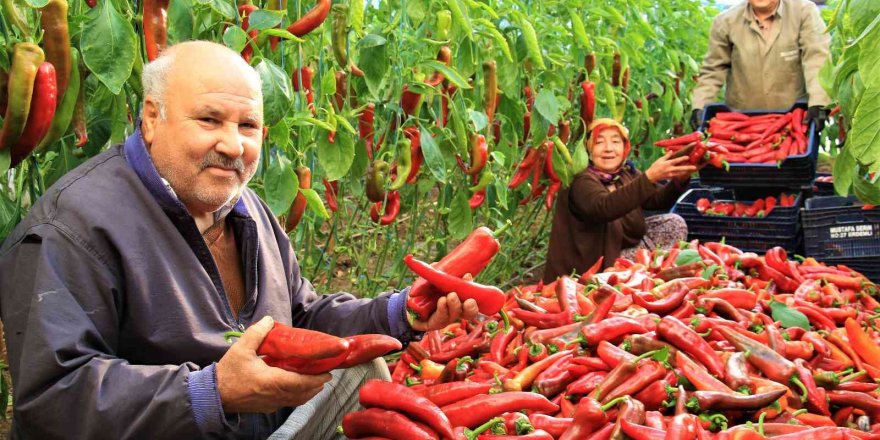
column 489, row 299
column 364, row 348
column 284, row 342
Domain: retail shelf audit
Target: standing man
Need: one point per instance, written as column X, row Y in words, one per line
column 117, row 287
column 769, row 53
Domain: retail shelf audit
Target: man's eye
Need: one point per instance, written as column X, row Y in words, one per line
column 208, row 120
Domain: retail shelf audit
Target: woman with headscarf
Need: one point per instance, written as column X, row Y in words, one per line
column 600, row 214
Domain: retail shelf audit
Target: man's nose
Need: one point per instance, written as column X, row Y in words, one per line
column 230, row 142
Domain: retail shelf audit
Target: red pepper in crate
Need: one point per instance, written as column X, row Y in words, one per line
column 471, row 256
column 489, row 299
column 395, row 397
column 383, row 423
column 476, row 410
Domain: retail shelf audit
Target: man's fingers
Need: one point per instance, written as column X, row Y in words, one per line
column 254, row 335
column 453, row 304
column 442, row 313
column 469, row 309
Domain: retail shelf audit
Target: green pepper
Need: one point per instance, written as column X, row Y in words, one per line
column 339, row 35
column 26, row 59
column 485, row 179
column 444, row 23
column 404, row 163
column 64, row 112
column 14, row 16
column 376, row 173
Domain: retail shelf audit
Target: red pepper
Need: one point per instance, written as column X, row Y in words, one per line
column 664, row 305
column 449, row 393
column 307, row 366
column 476, row 410
column 311, row 19
column 556, row 377
column 380, row 422
column 365, row 127
column 527, row 376
column 417, row 157
column 284, row 342
column 330, row 191
column 537, row 352
column 489, row 299
column 524, row 169
column 682, row 140
column 611, row 329
column 698, row 376
column 739, row 298
column 303, row 81
column 555, row 426
column 586, row 384
column 42, row 110
column 479, row 155
column 542, row 320
column 656, row 393
column 155, row 22
column 588, row 102
column 684, row 338
column 538, row 434
column 589, row 416
column 378, row 393
column 772, row 364
column 390, row 211
column 613, row 355
column 648, row 372
column 863, row 344
column 471, row 256
column 364, row 348
column 245, row 12
column 641, row 432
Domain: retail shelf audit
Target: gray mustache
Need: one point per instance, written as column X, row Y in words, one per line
column 215, row 159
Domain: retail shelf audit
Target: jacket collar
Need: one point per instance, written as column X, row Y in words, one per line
column 748, row 15
column 139, row 159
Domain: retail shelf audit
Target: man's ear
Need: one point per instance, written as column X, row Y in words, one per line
column 150, row 119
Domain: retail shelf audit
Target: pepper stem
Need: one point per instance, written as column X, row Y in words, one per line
column 613, row 402
column 231, row 334
column 644, row 356
column 801, row 387
column 473, row 434
column 506, row 320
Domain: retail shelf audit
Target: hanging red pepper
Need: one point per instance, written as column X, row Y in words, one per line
column 490, row 89
column 42, row 111
column 26, row 61
column 56, row 41
column 588, row 103
column 331, row 189
column 416, row 156
column 489, row 299
column 479, row 155
column 311, row 19
column 365, row 127
column 298, row 208
column 305, row 75
column 390, row 211
column 155, row 27
column 245, row 12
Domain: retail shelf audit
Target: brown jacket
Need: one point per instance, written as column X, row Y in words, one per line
column 765, row 73
column 591, row 222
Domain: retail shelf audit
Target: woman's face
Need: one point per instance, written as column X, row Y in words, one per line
column 607, row 154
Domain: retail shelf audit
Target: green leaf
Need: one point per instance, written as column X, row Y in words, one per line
column 108, row 45
column 843, row 171
column 281, row 185
column 869, row 56
column 335, row 158
column 328, row 82
column 341, row 121
column 235, row 38
column 497, row 36
column 547, row 106
column 710, row 271
column 864, row 137
column 356, row 17
column 578, row 29
column 460, row 16
column 264, row 19
column 36, row 4
column 279, row 135
column 374, row 62
column 561, row 168
column 688, row 256
column 866, row 191
column 416, row 10
column 5, row 160
column 451, row 74
column 479, row 119
column 433, row 156
column 788, row 317
column 580, row 159
column 222, row 7
column 277, row 92
column 314, row 202
column 459, row 218
column 180, row 21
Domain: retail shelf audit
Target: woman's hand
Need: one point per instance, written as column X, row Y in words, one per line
column 667, row 168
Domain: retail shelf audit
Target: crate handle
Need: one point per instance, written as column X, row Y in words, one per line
column 850, row 217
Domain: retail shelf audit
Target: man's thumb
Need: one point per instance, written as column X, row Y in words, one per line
column 254, row 335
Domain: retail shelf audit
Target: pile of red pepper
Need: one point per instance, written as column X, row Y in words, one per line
column 698, row 341
column 767, row 138
column 758, row 208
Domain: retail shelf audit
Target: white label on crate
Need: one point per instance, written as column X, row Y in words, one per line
column 858, row 231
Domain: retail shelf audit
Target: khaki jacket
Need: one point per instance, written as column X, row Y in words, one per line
column 769, row 73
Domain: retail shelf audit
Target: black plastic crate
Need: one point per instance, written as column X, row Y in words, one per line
column 794, row 172
column 823, row 189
column 838, row 227
column 782, row 223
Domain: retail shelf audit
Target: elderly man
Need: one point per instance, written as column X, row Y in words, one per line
column 118, row 286
column 769, row 53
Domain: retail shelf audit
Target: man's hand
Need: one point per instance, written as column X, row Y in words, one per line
column 666, row 168
column 247, row 384
column 696, row 118
column 449, row 309
column 816, row 114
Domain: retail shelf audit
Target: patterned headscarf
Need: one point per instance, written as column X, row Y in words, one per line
column 595, row 128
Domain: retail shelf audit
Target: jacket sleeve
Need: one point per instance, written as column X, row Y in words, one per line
column 716, row 65
column 589, row 201
column 664, row 197
column 815, row 44
column 61, row 310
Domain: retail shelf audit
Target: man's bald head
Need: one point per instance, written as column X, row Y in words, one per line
column 191, row 60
